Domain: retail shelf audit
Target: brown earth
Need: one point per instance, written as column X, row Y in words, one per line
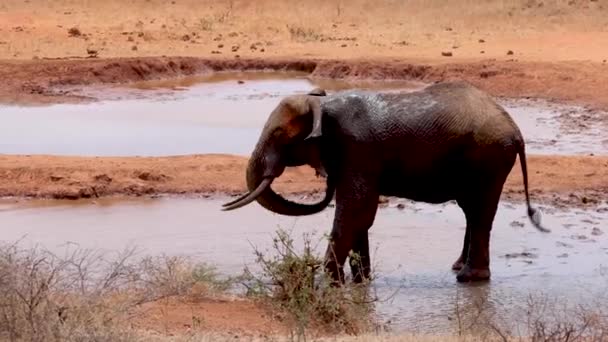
column 179, row 316
column 549, row 49
column 559, row 180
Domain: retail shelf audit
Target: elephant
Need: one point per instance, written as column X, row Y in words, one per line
column 448, row 141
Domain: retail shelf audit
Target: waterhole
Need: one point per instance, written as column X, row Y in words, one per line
column 224, row 113
column 412, row 248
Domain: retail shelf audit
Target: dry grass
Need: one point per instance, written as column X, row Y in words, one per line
column 85, row 295
column 286, row 28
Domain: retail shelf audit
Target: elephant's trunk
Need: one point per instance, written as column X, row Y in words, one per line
column 259, row 178
column 275, row 202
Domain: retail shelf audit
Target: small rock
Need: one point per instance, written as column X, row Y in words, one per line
column 400, row 206
column 235, row 48
column 74, row 32
column 148, row 176
column 482, row 52
column 240, row 81
column 446, row 54
column 563, row 244
column 596, row 231
column 237, row 56
column 103, row 178
column 56, row 178
column 510, row 52
column 130, row 39
column 219, row 46
column 186, row 37
column 134, row 47
column 520, row 255
column 455, row 47
column 262, row 50
column 215, row 52
column 92, row 52
column 578, row 237
column 481, row 41
column 343, row 45
column 563, row 255
column 516, row 224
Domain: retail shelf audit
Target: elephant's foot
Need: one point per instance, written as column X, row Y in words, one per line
column 468, row 273
column 458, row 264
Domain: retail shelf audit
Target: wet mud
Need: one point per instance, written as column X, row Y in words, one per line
column 413, row 246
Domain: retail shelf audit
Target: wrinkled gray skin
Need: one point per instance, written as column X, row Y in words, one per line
column 449, row 141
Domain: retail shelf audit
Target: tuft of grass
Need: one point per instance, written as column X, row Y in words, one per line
column 303, row 34
column 296, row 283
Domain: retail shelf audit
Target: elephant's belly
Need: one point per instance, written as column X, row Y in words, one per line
column 429, row 187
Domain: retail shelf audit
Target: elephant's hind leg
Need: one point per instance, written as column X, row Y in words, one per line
column 479, row 211
column 462, row 259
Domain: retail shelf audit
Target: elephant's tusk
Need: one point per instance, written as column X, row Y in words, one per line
column 249, row 197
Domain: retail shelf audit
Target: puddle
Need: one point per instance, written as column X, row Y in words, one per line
column 217, row 114
column 413, row 247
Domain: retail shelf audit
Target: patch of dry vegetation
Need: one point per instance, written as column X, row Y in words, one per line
column 295, row 283
column 285, row 28
column 85, row 295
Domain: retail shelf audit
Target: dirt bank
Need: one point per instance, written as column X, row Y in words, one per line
column 553, row 179
column 39, row 82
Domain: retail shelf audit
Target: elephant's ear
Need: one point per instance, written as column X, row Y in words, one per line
column 294, row 115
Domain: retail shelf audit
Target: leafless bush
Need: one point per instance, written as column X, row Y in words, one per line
column 85, row 295
column 541, row 319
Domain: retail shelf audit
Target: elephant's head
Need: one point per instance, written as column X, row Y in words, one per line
column 290, row 137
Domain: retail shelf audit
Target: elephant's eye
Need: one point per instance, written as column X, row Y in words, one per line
column 278, row 132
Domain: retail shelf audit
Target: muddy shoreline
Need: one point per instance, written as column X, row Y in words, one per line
column 47, row 81
column 556, row 180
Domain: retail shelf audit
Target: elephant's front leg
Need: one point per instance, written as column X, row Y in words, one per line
column 356, row 206
column 360, row 263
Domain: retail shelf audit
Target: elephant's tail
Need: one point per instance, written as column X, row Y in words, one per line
column 533, row 213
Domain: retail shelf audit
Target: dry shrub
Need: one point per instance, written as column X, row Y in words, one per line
column 540, row 319
column 303, row 34
column 85, row 295
column 297, row 285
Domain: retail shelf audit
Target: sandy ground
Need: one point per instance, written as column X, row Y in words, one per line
column 549, row 49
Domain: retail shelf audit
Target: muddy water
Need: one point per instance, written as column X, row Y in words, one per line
column 219, row 114
column 413, row 247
